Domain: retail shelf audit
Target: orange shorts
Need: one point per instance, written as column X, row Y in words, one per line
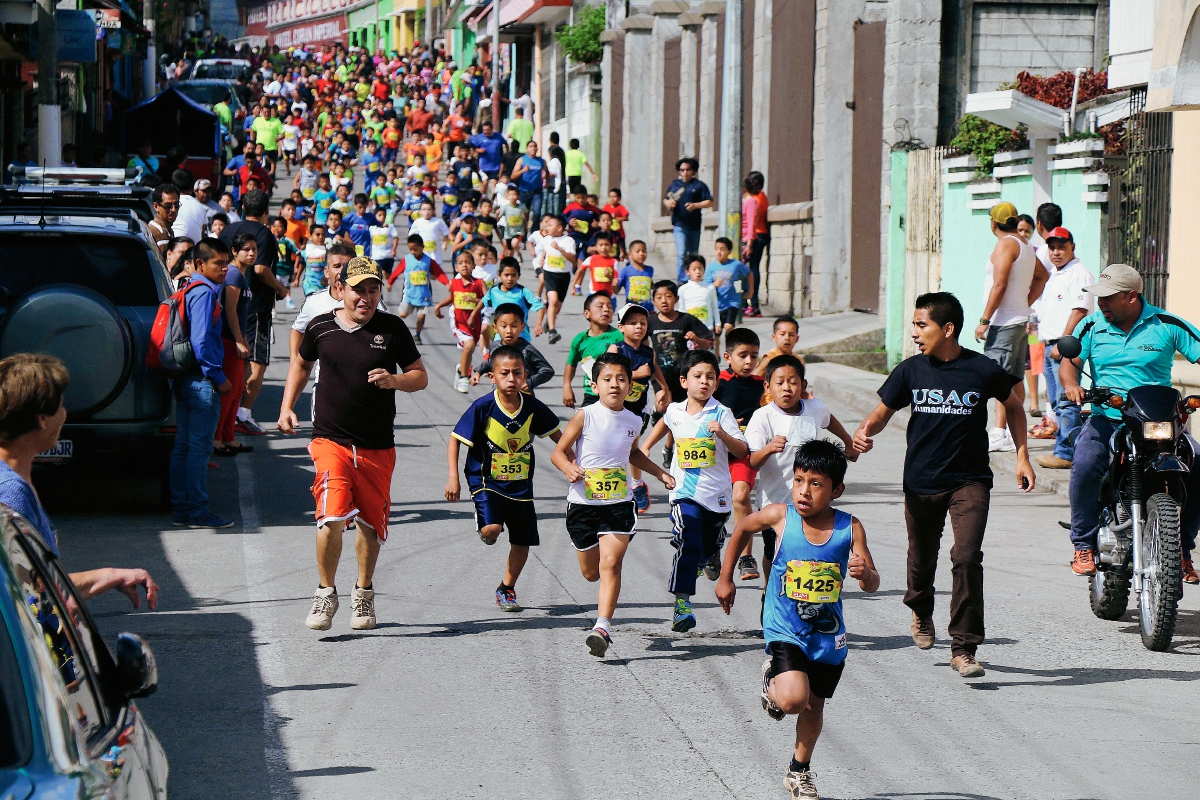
column 740, row 470
column 353, row 483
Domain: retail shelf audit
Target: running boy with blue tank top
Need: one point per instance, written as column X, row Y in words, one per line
column 706, row 433
column 805, row 631
column 418, row 269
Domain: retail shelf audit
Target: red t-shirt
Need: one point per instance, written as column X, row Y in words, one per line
column 456, row 128
column 619, row 214
column 465, row 295
column 391, row 137
column 418, row 120
column 602, row 272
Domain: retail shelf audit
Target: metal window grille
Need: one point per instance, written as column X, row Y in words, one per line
column 1139, row 207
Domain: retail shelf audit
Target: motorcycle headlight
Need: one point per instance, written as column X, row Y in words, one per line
column 1158, row 430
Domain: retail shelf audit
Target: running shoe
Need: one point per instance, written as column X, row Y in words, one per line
column 462, row 385
column 748, row 569
column 598, row 641
column 753, row 313
column 507, row 600
column 179, row 520
column 641, row 498
column 209, row 520
column 362, row 601
column 289, row 304
column 712, row 567
column 967, row 666
column 553, row 336
column 801, row 785
column 325, row 605
column 249, row 427
column 666, row 459
column 773, row 711
column 684, row 619
column 417, row 338
column 1083, row 563
column 1189, row 572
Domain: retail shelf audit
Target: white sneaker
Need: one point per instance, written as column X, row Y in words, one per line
column 290, row 304
column 363, row 616
column 1000, row 441
column 463, row 385
column 325, row 605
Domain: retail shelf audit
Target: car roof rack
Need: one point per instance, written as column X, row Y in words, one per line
column 75, row 176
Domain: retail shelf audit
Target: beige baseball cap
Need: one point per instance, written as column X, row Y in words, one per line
column 1116, row 278
column 361, row 269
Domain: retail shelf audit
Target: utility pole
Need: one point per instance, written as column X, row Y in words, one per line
column 49, row 112
column 729, row 201
column 496, row 65
column 428, row 23
column 150, row 66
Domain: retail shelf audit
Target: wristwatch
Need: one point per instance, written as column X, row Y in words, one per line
column 984, row 321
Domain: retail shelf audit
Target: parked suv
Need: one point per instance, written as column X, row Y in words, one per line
column 84, row 285
column 229, row 69
column 68, row 726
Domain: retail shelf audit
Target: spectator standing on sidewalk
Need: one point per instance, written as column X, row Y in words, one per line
column 686, row 199
column 1063, row 304
column 192, row 215
column 265, row 288
column 166, row 208
column 1014, row 281
column 946, row 467
column 198, row 394
column 756, row 234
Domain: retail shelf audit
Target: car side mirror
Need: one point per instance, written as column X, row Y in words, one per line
column 1069, row 347
column 137, row 669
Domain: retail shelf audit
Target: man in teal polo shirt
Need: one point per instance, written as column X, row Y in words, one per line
column 1129, row 343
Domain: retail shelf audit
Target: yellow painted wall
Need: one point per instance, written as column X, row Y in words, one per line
column 1183, row 285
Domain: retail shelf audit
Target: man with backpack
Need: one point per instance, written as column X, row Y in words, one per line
column 198, row 389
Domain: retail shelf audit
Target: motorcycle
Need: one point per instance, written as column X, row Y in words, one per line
column 1141, row 498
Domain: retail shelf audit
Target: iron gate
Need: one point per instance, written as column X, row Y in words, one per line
column 1139, row 199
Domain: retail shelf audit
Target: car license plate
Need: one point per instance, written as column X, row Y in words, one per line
column 62, row 451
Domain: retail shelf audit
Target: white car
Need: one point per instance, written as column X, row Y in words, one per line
column 224, row 68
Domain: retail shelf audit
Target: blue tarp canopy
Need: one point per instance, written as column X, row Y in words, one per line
column 169, row 119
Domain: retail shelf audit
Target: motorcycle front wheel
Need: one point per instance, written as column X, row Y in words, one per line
column 1162, row 579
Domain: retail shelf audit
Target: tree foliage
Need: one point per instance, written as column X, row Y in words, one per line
column 581, row 41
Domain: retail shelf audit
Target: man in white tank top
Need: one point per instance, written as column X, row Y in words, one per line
column 1015, row 279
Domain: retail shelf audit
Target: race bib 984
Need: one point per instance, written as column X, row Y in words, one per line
column 696, row 453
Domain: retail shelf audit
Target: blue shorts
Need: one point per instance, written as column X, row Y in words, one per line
column 518, row 517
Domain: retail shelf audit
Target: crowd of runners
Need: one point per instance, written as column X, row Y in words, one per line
column 390, row 178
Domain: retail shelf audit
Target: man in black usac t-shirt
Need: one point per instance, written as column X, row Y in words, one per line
column 366, row 357
column 946, row 467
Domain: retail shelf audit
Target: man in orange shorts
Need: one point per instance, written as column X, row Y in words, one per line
column 365, row 357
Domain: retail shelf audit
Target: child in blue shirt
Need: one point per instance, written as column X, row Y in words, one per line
column 803, row 625
column 371, row 161
column 635, row 278
column 450, row 198
column 323, row 199
column 509, row 291
column 417, row 269
column 724, row 274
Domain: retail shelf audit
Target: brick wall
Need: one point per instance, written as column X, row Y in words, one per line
column 1041, row 38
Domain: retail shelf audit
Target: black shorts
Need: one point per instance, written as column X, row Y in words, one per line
column 491, row 175
column 587, row 523
column 385, row 265
column 558, row 282
column 258, row 337
column 518, row 517
column 787, row 657
column 678, row 393
column 731, row 316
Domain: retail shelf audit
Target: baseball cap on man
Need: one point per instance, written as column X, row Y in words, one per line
column 1116, row 278
column 1004, row 214
column 1060, row 233
column 201, row 185
column 359, row 269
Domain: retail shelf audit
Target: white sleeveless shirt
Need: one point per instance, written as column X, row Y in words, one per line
column 604, row 444
column 1014, row 305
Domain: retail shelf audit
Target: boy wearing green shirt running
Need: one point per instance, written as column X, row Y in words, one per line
column 588, row 345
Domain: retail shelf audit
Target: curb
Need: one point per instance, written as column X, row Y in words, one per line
column 863, row 400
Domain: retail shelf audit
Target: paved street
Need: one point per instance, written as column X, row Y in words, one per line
column 450, row 698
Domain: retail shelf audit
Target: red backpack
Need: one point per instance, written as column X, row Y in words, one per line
column 170, row 349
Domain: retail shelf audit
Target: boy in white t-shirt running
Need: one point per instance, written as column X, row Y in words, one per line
column 596, row 453
column 706, row 434
column 556, row 256
column 432, row 230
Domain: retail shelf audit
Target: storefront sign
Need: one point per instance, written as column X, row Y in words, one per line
column 108, row 18
column 284, row 12
column 76, row 36
column 331, row 31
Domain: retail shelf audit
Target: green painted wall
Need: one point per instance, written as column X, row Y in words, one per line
column 1083, row 220
column 897, row 314
column 967, row 243
column 1018, row 190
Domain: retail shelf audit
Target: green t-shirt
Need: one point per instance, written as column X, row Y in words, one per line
column 362, row 91
column 522, row 130
column 575, row 161
column 586, row 348
column 266, row 132
column 224, row 114
column 375, row 126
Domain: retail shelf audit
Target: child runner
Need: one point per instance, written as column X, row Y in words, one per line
column 698, row 298
column 620, row 215
column 323, row 199
column 706, row 435
column 432, row 230
column 803, row 623
column 508, row 290
column 509, row 323
column 498, row 431
column 785, row 332
column 742, row 393
column 600, row 267
column 314, row 261
column 465, row 293
column 417, row 269
column 383, row 242
column 724, row 275
column 635, row 278
column 588, row 344
column 580, row 218
column 632, row 321
column 287, row 265
column 596, row 452
column 556, row 256
column 672, row 334
column 487, row 220
column 512, row 215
